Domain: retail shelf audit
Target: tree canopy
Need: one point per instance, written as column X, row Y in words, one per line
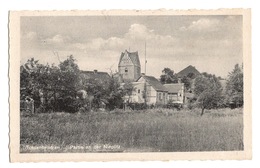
column 208, row 91
column 234, row 86
column 56, row 88
column 168, row 76
column 50, row 86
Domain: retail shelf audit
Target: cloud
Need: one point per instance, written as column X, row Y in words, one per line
column 30, row 36
column 138, row 32
column 57, row 40
column 199, row 42
column 135, row 37
column 202, row 24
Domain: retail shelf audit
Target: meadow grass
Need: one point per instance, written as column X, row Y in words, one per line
column 153, row 130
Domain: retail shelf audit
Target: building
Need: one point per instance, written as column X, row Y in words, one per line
column 129, row 67
column 175, row 92
column 191, row 73
column 95, row 76
column 148, row 89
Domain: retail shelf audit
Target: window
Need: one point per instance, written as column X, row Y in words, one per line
column 160, row 96
column 138, row 90
column 126, row 70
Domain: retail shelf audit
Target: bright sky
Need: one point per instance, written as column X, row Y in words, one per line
column 212, row 44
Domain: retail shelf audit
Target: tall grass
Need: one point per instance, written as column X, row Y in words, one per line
column 140, row 131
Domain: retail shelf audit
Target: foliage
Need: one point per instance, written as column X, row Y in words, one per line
column 208, row 91
column 115, row 95
column 138, row 106
column 170, row 104
column 53, row 88
column 168, row 76
column 187, row 82
column 234, row 87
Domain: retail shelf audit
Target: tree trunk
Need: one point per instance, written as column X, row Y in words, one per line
column 202, row 111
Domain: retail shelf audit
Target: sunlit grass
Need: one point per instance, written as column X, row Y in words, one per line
column 162, row 130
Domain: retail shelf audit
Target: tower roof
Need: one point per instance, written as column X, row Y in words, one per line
column 132, row 55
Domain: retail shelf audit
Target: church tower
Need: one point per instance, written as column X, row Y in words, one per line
column 129, row 66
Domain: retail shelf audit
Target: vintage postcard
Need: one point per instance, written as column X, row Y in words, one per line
column 126, row 85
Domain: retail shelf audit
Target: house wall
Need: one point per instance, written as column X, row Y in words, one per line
column 137, row 94
column 177, row 97
column 162, row 97
column 151, row 95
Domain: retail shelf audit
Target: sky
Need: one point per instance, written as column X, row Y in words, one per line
column 211, row 43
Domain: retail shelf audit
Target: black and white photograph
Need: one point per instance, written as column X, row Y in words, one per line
column 119, row 83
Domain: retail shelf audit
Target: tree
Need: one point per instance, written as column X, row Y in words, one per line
column 114, row 94
column 29, row 86
column 234, row 86
column 168, row 76
column 52, row 87
column 187, row 82
column 208, row 91
column 69, row 75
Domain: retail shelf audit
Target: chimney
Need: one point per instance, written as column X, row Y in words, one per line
column 95, row 71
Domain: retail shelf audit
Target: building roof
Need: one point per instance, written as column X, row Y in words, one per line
column 101, row 76
column 174, row 87
column 118, row 77
column 155, row 83
column 133, row 56
column 187, row 70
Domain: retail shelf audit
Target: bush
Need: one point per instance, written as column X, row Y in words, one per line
column 138, row 106
column 172, row 105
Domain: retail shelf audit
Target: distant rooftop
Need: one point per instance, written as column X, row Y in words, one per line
column 95, row 75
column 187, row 70
column 174, row 87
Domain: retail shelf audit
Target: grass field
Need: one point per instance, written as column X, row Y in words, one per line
column 153, row 130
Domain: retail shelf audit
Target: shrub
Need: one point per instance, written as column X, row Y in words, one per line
column 138, row 106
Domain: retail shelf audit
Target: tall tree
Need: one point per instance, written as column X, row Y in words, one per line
column 168, row 76
column 69, row 72
column 114, row 94
column 234, row 86
column 207, row 89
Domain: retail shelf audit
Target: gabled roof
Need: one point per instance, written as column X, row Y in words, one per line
column 101, row 76
column 187, row 70
column 155, row 83
column 174, row 87
column 133, row 56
